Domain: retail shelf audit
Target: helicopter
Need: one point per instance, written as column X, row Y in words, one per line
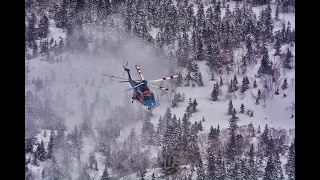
column 141, row 90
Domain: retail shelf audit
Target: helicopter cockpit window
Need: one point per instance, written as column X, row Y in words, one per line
column 146, row 98
column 152, row 97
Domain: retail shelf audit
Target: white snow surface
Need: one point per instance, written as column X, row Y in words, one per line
column 276, row 112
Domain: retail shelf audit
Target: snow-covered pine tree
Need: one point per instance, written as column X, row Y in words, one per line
column 270, row 170
column 239, row 145
column 174, row 101
column 148, row 132
column 244, row 85
column 35, row 159
column 50, row 146
column 142, row 174
column 252, row 164
column 264, row 139
column 214, row 94
column 211, row 166
column 199, row 80
column 285, row 84
column 288, row 33
column 194, row 106
column 242, row 110
column 169, row 165
column 230, row 87
column 259, row 94
column 43, row 27
column 276, row 16
column 269, row 24
column 278, row 164
column 29, row 145
column 255, row 84
column 230, row 107
column 277, row 45
column 185, row 131
column 220, row 167
column 31, row 33
column 290, row 165
column 265, row 67
column 231, row 147
column 105, row 175
column 200, row 169
column 287, row 61
column 161, row 129
column 41, row 152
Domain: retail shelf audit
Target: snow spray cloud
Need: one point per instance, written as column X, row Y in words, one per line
column 75, row 70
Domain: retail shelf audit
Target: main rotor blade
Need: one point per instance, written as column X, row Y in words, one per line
column 139, row 71
column 134, row 86
column 115, row 76
column 123, row 81
column 125, row 67
column 160, row 87
column 170, row 77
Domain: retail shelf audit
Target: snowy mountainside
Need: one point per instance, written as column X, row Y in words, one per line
column 100, row 120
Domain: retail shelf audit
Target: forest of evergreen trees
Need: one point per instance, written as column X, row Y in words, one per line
column 185, row 37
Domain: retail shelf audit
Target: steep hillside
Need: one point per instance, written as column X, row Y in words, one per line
column 95, row 128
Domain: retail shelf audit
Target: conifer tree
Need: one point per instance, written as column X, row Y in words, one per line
column 234, row 112
column 277, row 46
column 29, row 145
column 270, row 170
column 41, row 152
column 285, row 84
column 265, row 66
column 194, row 106
column 199, row 80
column 174, row 100
column 245, row 84
column 255, row 84
column 214, row 94
column 185, row 131
column 50, row 146
column 142, row 174
column 148, row 132
column 200, row 168
column 288, row 33
column 31, row 34
column 290, row 165
column 252, row 164
column 199, row 49
column 211, row 167
column 43, row 29
column 220, row 168
column 287, row 61
column 105, row 175
column 230, row 87
column 168, row 165
column 276, row 17
column 230, row 108
column 235, row 80
column 221, row 82
column 277, row 163
column 35, row 159
column 231, row 147
column 242, row 108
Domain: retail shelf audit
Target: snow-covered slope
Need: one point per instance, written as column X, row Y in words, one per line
column 71, row 73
